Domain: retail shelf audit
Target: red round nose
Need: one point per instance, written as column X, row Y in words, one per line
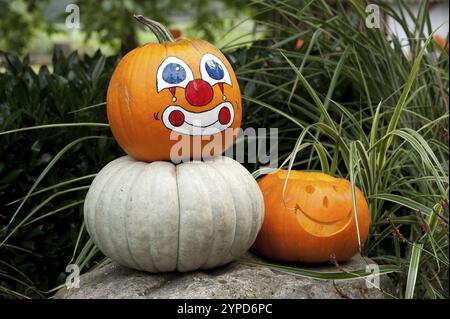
column 199, row 92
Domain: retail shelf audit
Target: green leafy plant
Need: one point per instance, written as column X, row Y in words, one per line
column 351, row 103
column 44, row 171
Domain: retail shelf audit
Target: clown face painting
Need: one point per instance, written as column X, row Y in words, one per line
column 162, row 93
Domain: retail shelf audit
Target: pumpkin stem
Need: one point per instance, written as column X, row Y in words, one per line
column 160, row 31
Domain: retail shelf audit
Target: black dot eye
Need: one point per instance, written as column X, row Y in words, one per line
column 174, row 73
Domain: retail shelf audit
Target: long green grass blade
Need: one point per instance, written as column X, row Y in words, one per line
column 416, row 252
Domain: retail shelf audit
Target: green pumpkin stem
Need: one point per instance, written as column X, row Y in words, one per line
column 160, row 31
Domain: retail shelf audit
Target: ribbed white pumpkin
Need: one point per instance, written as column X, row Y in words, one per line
column 163, row 217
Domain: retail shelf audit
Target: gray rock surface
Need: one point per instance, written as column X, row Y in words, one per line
column 239, row 279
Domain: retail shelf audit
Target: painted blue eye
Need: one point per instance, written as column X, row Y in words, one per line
column 214, row 70
column 174, row 73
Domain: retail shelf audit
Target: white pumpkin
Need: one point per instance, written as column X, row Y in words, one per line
column 163, row 217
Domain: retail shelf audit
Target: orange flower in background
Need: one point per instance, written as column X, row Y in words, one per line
column 176, row 32
column 299, row 44
column 443, row 43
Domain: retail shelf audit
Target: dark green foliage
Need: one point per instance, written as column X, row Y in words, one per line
column 27, row 99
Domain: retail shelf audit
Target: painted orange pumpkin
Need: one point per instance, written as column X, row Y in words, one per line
column 315, row 222
column 172, row 100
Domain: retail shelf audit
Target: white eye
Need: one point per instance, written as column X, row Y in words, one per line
column 213, row 70
column 173, row 72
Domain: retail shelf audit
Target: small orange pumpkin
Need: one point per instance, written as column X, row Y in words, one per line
column 315, row 222
column 166, row 94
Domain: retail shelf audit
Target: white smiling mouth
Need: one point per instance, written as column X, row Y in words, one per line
column 180, row 120
column 200, row 126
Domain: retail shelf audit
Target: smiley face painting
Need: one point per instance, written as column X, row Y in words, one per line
column 314, row 220
column 162, row 92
